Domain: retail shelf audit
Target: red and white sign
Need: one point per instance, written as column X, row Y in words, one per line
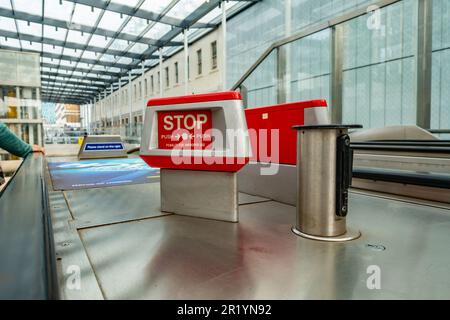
column 180, row 133
column 184, row 129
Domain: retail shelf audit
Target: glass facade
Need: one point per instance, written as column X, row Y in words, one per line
column 250, row 33
column 379, row 63
column 20, row 96
column 260, row 86
column 309, row 68
column 440, row 93
column 376, row 59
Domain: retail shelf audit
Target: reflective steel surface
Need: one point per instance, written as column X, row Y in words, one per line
column 189, row 258
column 100, row 206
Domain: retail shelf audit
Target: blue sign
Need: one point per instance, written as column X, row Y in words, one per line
column 103, row 146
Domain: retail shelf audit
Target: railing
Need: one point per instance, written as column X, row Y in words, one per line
column 27, row 267
column 277, row 62
column 303, row 34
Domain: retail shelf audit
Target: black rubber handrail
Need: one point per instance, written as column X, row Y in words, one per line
column 423, row 143
column 426, row 179
column 27, row 255
column 401, row 148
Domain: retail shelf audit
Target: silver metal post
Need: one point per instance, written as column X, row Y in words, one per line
column 287, row 48
column 130, row 101
column 186, row 62
column 337, row 49
column 224, row 46
column 324, row 170
column 105, row 114
column 89, row 117
column 160, row 73
column 39, row 116
column 144, row 104
column 119, row 107
column 112, row 107
column 100, row 110
column 424, row 62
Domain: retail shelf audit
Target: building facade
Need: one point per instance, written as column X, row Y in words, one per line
column 68, row 115
column 20, row 96
column 378, row 63
column 204, row 74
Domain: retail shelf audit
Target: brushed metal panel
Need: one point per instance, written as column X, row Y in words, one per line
column 94, row 207
column 177, row 257
column 245, row 198
column 203, row 194
column 251, row 181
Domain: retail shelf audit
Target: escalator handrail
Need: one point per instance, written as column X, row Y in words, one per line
column 426, row 179
column 28, row 267
column 400, row 148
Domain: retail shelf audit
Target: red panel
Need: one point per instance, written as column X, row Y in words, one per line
column 197, row 163
column 184, row 129
column 207, row 97
column 282, row 117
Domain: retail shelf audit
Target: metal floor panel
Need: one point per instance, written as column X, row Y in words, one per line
column 176, row 257
column 101, row 206
column 245, row 198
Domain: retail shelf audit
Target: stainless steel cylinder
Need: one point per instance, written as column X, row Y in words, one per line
column 324, row 161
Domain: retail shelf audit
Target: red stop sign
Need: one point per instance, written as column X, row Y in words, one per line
column 184, row 129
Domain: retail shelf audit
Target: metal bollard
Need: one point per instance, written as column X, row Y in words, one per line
column 324, row 172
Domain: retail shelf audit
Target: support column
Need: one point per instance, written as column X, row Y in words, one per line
column 160, row 73
column 19, row 113
column 186, row 62
column 144, row 96
column 119, row 115
column 130, row 101
column 88, row 128
column 424, row 62
column 112, row 108
column 337, row 38
column 39, row 116
column 281, row 75
column 287, row 48
column 105, row 113
column 224, row 46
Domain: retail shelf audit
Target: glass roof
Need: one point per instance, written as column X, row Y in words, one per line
column 88, row 45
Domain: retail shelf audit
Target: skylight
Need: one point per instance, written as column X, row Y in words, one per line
column 81, row 40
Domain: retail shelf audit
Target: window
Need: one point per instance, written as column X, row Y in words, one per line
column 199, row 62
column 140, row 89
column 167, row 76
column 152, row 84
column 214, row 55
column 145, row 87
column 159, row 80
column 176, row 73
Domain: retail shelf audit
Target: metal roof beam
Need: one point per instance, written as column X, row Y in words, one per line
column 139, row 13
column 48, row 84
column 50, row 95
column 82, row 28
column 71, row 45
column 70, row 58
column 85, row 70
column 200, row 12
column 45, row 78
column 73, row 76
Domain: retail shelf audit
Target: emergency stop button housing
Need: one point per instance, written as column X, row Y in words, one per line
column 199, row 142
